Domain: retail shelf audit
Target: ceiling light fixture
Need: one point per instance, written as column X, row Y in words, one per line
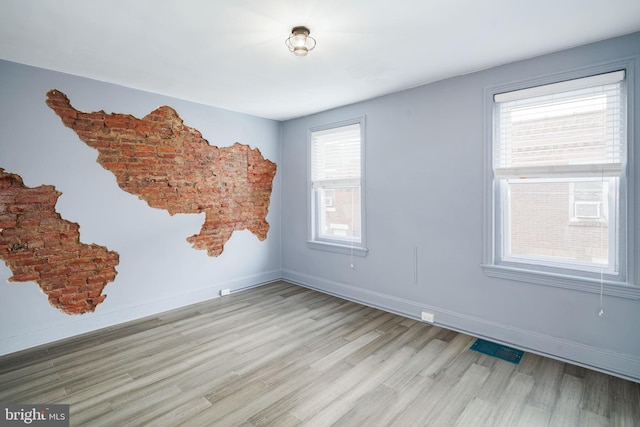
column 300, row 42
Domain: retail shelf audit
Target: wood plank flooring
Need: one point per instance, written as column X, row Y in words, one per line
column 282, row 355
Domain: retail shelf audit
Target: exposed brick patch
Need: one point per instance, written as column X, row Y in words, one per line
column 170, row 166
column 38, row 245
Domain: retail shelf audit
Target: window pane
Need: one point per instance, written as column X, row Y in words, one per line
column 573, row 128
column 336, row 167
column 336, row 153
column 559, row 221
column 560, row 132
column 559, row 152
column 339, row 213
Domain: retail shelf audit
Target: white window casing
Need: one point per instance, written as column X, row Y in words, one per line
column 336, row 198
column 546, row 138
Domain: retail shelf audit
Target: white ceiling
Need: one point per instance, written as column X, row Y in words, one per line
column 231, row 53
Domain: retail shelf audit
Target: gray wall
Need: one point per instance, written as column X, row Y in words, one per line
column 158, row 269
column 424, row 160
column 424, row 191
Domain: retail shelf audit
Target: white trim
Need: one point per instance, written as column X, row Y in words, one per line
column 100, row 319
column 333, row 246
column 573, row 84
column 581, row 284
column 627, row 285
column 561, row 171
column 343, row 246
column 613, row 363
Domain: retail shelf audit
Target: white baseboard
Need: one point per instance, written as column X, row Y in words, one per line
column 69, row 327
column 599, row 359
column 622, row 365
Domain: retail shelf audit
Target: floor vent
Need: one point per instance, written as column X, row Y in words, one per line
column 496, row 350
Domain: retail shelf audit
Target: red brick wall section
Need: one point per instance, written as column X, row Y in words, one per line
column 170, row 166
column 38, row 245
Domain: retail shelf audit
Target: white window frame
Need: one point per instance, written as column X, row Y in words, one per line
column 315, row 240
column 624, row 282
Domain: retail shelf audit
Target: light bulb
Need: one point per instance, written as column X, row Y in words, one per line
column 299, row 40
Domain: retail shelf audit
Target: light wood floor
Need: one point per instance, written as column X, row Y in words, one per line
column 282, row 355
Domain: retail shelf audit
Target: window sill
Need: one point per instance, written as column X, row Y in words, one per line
column 582, row 284
column 338, row 248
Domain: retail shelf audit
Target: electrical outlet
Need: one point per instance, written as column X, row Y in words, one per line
column 428, row 317
column 224, row 292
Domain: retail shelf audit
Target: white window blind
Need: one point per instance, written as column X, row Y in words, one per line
column 336, row 156
column 574, row 128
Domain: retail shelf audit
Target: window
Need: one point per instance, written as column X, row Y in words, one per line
column 336, row 196
column 590, row 201
column 559, row 181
